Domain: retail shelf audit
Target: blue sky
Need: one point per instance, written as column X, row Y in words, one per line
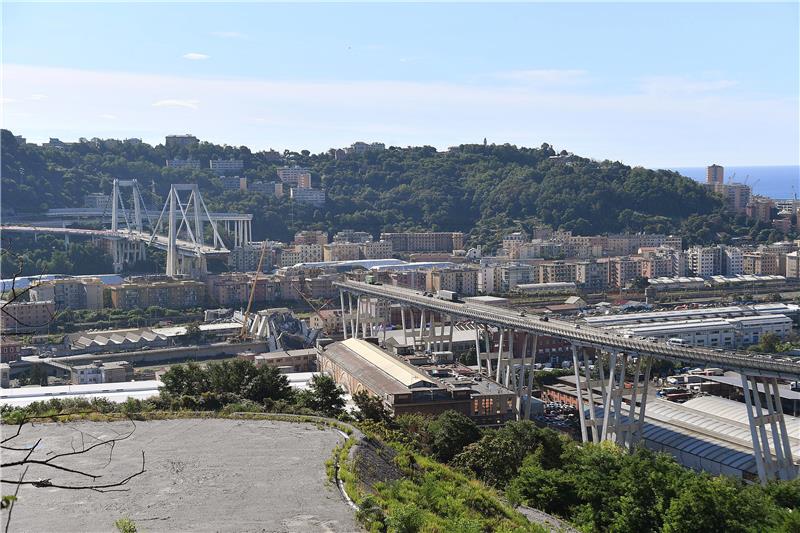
column 654, row 84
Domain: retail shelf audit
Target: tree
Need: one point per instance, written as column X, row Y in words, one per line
column 450, row 433
column 720, row 505
column 497, row 456
column 370, row 407
column 193, row 334
column 323, row 395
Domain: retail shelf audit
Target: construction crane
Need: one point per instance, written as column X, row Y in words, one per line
column 316, row 309
column 246, row 322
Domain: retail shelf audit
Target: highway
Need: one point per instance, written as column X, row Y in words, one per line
column 582, row 335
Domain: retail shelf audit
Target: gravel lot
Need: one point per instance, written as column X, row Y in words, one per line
column 202, row 475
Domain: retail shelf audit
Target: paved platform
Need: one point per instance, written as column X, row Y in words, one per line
column 202, row 475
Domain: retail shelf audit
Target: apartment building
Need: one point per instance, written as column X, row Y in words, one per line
column 9, row 350
column 311, row 237
column 703, row 261
column 348, row 235
column 341, row 251
column 760, row 208
column 191, row 164
column 715, row 174
column 762, row 263
column 793, row 265
column 328, row 320
column 161, row 291
column 295, row 176
column 270, row 188
column 592, row 276
column 245, row 258
column 359, row 147
column 315, row 197
column 301, row 253
column 22, row 317
column 425, row 242
column 69, row 293
column 181, row 141
column 376, row 249
column 463, row 281
column 233, row 183
column 556, row 272
column 224, row 167
column 736, row 196
column 513, row 274
column 100, row 372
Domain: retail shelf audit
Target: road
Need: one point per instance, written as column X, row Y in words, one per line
column 743, row 362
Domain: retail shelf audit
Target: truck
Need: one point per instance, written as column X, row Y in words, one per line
column 677, row 341
column 450, row 296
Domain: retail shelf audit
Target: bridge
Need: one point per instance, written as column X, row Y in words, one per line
column 133, row 227
column 623, row 355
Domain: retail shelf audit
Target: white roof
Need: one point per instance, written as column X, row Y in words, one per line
column 115, row 392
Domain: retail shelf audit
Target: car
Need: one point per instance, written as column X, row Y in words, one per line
column 577, row 326
column 544, row 319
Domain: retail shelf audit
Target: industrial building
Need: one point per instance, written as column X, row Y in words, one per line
column 707, row 433
column 359, row 365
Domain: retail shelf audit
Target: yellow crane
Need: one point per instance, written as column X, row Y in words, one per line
column 243, row 335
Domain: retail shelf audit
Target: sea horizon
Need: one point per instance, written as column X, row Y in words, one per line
column 775, row 181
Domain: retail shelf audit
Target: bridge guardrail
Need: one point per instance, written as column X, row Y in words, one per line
column 585, row 335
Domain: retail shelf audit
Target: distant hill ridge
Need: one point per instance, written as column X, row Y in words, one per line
column 483, row 190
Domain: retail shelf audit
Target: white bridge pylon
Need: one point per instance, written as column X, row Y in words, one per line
column 185, row 221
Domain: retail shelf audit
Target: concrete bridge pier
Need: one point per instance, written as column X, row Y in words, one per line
column 773, row 452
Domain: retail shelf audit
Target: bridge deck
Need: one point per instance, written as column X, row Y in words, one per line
column 160, row 241
column 751, row 364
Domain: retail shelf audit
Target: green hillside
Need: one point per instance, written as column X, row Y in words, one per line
column 481, row 190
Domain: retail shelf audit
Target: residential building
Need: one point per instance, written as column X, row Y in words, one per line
column 295, row 176
column 348, row 235
column 793, row 265
column 513, row 274
column 287, row 361
column 233, row 183
column 732, row 261
column 159, row 291
column 22, row 317
column 760, row 208
column 225, row 167
column 425, row 242
column 9, row 350
column 761, row 263
column 181, row 141
column 270, row 188
column 592, row 276
column 735, row 195
column 315, row 197
column 100, row 372
column 358, row 147
column 245, row 258
column 328, row 320
column 69, row 293
column 376, row 249
column 703, row 261
column 341, row 251
column 463, row 281
column 301, row 253
column 184, row 163
column 715, row 174
column 311, row 237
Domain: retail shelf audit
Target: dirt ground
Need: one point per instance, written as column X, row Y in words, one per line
column 202, row 475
